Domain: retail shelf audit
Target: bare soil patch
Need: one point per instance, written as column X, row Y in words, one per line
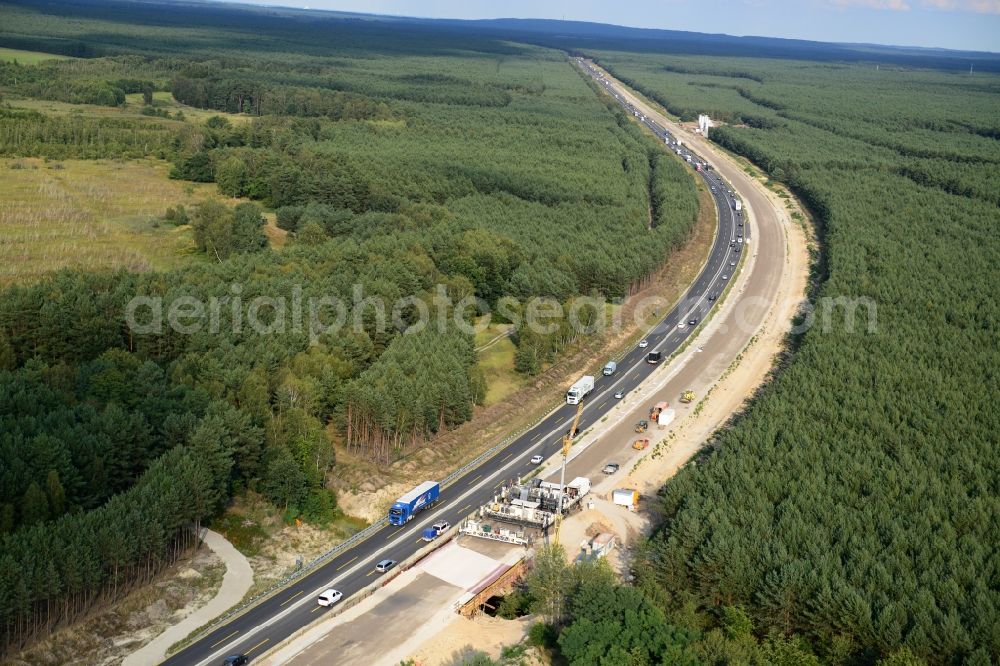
column 463, row 638
column 366, row 490
column 276, row 549
column 107, row 636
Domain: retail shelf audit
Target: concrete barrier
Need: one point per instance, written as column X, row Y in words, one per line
column 365, row 592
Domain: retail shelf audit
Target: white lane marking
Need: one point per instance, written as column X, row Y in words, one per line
column 431, row 515
column 309, row 597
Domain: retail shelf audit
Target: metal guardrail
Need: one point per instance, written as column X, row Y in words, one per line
column 365, row 592
column 283, row 582
column 354, row 539
column 489, row 453
column 375, row 527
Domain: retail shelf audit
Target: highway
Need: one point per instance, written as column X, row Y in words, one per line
column 265, row 625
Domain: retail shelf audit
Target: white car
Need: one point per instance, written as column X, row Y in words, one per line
column 680, row 325
column 329, row 597
column 643, row 344
column 536, row 460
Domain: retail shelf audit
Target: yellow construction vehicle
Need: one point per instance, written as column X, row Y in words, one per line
column 687, row 396
column 571, row 433
column 567, row 443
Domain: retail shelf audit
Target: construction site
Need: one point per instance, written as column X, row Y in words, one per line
column 528, row 504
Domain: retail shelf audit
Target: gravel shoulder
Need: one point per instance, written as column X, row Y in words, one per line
column 726, row 364
column 751, row 327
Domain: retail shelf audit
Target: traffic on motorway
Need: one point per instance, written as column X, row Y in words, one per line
column 315, row 593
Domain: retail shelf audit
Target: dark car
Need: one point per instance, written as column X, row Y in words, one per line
column 712, row 296
column 653, row 357
column 693, row 321
column 235, row 660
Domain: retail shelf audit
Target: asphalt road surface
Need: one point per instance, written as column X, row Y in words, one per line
column 267, row 624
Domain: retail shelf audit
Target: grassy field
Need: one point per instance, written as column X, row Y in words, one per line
column 165, row 101
column 99, row 214
column 91, row 215
column 28, row 57
column 52, row 107
column 132, row 108
column 496, row 359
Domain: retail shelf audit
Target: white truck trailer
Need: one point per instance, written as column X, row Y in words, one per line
column 579, row 390
column 625, row 497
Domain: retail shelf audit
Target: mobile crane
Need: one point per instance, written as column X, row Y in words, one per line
column 567, row 443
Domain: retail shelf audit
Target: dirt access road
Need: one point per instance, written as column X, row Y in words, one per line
column 724, row 364
column 730, row 357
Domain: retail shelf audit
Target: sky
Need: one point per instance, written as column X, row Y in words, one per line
column 955, row 24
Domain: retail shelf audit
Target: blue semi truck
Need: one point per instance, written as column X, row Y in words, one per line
column 414, row 502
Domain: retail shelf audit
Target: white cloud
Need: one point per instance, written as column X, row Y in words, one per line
column 968, row 6
column 894, row 5
column 983, row 6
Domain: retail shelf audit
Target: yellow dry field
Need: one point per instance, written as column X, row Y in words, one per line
column 166, row 102
column 91, row 215
column 131, row 109
column 28, row 57
column 54, row 108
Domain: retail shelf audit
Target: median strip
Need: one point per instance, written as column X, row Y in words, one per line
column 454, row 476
